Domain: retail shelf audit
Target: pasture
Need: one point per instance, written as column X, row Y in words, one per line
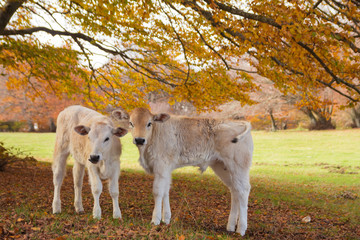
column 294, row 174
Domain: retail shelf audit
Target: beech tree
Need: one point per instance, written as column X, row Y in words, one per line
column 186, row 48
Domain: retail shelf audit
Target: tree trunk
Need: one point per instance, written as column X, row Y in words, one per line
column 355, row 117
column 31, row 126
column 273, row 122
column 317, row 120
column 52, row 126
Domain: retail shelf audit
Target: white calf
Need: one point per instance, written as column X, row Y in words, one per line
column 166, row 143
column 99, row 151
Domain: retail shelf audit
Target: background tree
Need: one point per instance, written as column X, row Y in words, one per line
column 187, row 48
column 355, row 116
column 22, row 105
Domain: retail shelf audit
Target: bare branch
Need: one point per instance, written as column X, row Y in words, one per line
column 327, row 69
column 182, row 45
column 329, row 85
column 207, row 44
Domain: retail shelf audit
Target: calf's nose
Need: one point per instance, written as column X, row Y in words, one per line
column 139, row 141
column 94, row 158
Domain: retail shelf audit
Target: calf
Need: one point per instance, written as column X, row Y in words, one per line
column 166, row 143
column 99, row 151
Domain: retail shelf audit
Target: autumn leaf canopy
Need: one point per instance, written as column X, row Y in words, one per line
column 205, row 52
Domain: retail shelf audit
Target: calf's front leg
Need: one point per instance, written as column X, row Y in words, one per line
column 96, row 189
column 59, row 168
column 161, row 187
column 114, row 193
column 78, row 175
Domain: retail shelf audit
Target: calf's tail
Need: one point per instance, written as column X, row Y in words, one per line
column 241, row 136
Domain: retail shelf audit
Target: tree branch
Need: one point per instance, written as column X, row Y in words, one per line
column 92, row 41
column 233, row 10
column 8, row 11
column 327, row 69
column 329, row 85
column 182, row 46
column 239, row 12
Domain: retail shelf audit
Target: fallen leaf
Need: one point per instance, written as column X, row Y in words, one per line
column 306, row 219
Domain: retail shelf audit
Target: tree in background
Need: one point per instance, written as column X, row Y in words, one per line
column 186, row 48
column 18, row 104
column 355, row 116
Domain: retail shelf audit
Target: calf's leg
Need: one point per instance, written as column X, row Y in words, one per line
column 166, row 210
column 221, row 171
column 78, row 175
column 96, row 189
column 59, row 169
column 241, row 191
column 161, row 187
column 114, row 193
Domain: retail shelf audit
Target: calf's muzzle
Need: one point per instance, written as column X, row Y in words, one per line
column 94, row 158
column 139, row 141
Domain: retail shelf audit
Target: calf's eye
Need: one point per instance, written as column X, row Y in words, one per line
column 131, row 124
column 106, row 139
column 149, row 124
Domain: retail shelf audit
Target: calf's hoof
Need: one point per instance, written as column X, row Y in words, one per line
column 97, row 213
column 166, row 221
column 56, row 211
column 155, row 222
column 166, row 218
column 56, row 207
column 79, row 210
column 241, row 230
column 79, row 207
column 117, row 215
column 231, row 227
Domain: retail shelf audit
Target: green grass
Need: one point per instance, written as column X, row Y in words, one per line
column 324, row 157
column 41, row 146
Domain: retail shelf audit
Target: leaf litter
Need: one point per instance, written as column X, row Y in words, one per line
column 200, row 210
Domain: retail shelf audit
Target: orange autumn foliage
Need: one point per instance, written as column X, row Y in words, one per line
column 189, row 50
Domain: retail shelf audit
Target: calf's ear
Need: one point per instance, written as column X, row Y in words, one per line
column 120, row 114
column 82, row 130
column 161, row 117
column 119, row 132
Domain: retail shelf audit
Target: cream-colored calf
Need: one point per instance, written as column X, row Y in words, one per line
column 166, row 143
column 94, row 143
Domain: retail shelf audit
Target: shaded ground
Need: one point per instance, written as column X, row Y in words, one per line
column 200, row 207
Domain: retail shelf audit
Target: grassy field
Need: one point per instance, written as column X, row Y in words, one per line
column 307, row 173
column 324, row 157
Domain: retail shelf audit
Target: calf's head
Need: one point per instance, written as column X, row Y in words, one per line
column 141, row 122
column 100, row 137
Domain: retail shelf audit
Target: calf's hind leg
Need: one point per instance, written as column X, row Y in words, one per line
column 241, row 191
column 221, row 171
column 59, row 169
column 166, row 210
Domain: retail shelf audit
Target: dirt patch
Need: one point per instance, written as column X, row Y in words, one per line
column 338, row 168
